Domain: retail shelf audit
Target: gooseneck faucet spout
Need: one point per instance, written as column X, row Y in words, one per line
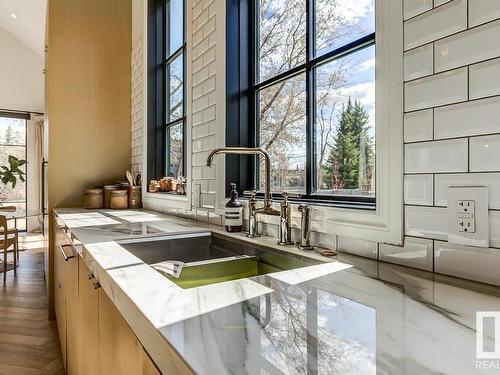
column 249, row 151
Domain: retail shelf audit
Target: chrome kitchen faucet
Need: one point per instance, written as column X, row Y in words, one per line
column 253, row 211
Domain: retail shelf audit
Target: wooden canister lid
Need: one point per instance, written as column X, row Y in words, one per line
column 93, row 191
column 111, row 187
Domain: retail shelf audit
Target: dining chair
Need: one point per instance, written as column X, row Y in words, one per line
column 9, row 237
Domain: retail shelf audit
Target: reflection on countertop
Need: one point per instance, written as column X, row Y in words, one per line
column 350, row 316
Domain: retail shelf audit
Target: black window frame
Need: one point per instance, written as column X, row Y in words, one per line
column 242, row 90
column 157, row 91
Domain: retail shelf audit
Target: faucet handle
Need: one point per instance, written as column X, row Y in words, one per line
column 250, row 193
column 305, row 208
column 285, row 198
column 252, row 202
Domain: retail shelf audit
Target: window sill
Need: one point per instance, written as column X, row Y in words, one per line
column 169, row 201
column 334, row 219
column 328, row 203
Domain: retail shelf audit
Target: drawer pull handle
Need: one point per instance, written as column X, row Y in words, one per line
column 66, row 256
column 95, row 285
column 89, row 275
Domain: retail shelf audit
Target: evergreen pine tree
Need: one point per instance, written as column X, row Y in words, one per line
column 9, row 136
column 350, row 163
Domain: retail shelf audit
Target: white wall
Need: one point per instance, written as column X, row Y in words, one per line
column 137, row 20
column 22, row 88
column 137, row 85
column 452, row 109
column 21, row 72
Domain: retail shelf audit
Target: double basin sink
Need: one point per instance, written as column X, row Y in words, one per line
column 199, row 259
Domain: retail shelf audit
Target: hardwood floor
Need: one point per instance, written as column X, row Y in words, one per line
column 28, row 341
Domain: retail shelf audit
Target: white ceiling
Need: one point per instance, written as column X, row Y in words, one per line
column 29, row 26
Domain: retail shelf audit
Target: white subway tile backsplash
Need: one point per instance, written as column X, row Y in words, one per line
column 495, row 229
column 491, row 180
column 466, row 119
column 416, row 253
column 436, row 24
column 437, row 156
column 136, row 107
column 418, row 189
column 415, row 7
column 418, row 62
column 471, row 46
column 485, row 153
column 481, row 264
column 484, row 79
column 440, row 89
column 440, row 2
column 209, row 172
column 358, row 247
column 418, row 126
column 197, row 145
column 197, row 173
column 481, row 11
column 428, row 222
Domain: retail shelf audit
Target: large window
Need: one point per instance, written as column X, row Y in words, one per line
column 311, row 96
column 166, row 94
column 13, row 143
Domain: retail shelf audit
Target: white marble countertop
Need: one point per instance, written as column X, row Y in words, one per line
column 348, row 315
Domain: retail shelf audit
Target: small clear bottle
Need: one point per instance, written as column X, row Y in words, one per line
column 233, row 213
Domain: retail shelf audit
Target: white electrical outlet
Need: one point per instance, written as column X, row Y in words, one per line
column 466, row 220
column 466, row 206
column 468, row 216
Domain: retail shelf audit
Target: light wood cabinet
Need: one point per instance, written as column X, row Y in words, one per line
column 94, row 336
column 88, row 322
column 88, row 102
column 59, row 294
column 72, row 312
column 119, row 350
column 66, row 297
column 148, row 366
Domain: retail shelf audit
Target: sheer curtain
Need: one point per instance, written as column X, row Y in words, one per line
column 36, row 124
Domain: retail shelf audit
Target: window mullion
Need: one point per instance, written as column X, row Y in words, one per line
column 309, row 98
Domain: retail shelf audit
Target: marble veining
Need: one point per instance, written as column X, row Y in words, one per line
column 348, row 316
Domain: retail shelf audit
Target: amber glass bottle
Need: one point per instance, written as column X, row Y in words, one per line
column 233, row 212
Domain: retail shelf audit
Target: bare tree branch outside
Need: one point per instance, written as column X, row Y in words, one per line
column 282, row 106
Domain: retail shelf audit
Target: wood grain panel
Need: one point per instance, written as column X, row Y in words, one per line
column 119, row 350
column 88, row 323
column 88, row 98
column 148, row 366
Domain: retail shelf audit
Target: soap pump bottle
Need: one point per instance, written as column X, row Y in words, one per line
column 233, row 213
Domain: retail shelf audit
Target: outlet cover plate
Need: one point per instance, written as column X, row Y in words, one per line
column 477, row 196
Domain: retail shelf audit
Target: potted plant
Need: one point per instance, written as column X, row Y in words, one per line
column 9, row 174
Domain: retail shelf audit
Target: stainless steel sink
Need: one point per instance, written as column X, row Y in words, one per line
column 206, row 258
column 183, row 248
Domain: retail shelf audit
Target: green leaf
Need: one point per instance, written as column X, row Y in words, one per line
column 8, row 175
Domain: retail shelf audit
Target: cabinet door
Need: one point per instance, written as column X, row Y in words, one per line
column 59, row 292
column 71, row 291
column 88, row 320
column 119, row 350
column 148, row 366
